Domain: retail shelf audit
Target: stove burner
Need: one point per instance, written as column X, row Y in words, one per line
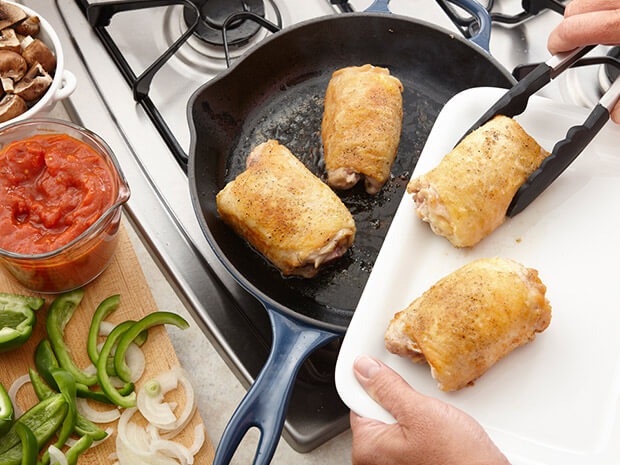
column 213, row 13
column 612, row 71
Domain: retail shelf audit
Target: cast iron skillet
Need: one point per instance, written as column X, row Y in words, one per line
column 276, row 92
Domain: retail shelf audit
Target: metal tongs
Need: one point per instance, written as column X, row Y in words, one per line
column 564, row 152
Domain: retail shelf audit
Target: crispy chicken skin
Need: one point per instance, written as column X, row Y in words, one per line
column 361, row 126
column 470, row 319
column 466, row 196
column 286, row 212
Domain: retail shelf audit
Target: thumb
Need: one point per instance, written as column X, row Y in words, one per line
column 385, row 386
column 359, row 423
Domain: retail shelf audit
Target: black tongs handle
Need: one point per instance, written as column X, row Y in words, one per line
column 565, row 152
column 514, row 101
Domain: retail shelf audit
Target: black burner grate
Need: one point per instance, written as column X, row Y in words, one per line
column 213, row 13
column 100, row 14
column 469, row 26
column 613, row 72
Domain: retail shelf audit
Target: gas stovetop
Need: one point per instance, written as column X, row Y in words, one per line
column 151, row 138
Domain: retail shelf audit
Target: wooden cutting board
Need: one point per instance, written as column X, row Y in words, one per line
column 123, row 276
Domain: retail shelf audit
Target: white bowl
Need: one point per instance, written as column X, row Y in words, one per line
column 64, row 81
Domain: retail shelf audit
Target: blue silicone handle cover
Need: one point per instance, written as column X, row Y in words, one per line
column 265, row 404
column 482, row 37
column 379, row 6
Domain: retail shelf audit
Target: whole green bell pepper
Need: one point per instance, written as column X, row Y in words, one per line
column 17, row 319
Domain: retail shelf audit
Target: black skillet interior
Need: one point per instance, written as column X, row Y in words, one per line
column 277, row 92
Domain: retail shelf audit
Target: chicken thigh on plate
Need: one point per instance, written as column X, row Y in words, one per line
column 466, row 196
column 470, row 319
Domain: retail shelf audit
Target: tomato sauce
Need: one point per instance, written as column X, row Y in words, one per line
column 52, row 189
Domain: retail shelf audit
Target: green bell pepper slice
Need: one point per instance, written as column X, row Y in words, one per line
column 125, row 401
column 45, row 361
column 58, row 316
column 66, row 383
column 7, row 415
column 78, row 449
column 83, row 426
column 30, row 448
column 154, row 319
column 17, row 319
column 104, row 309
column 43, row 419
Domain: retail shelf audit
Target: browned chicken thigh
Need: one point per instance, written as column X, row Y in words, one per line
column 470, row 319
column 466, row 196
column 361, row 126
column 285, row 212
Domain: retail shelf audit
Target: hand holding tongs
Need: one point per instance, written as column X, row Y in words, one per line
column 565, row 151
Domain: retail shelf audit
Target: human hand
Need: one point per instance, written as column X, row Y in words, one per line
column 428, row 432
column 588, row 22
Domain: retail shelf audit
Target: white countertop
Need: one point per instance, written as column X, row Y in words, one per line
column 218, row 390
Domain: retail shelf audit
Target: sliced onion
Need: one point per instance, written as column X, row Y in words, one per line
column 160, row 413
column 199, row 439
column 108, row 431
column 105, row 328
column 130, row 453
column 135, row 361
column 173, row 449
column 15, row 387
column 96, row 416
column 153, row 431
column 56, row 456
column 90, row 369
column 153, row 408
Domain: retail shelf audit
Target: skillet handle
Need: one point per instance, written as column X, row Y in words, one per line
column 379, row 6
column 265, row 404
column 483, row 36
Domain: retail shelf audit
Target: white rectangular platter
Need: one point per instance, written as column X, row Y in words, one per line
column 555, row 400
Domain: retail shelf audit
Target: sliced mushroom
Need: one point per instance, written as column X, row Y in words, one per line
column 9, row 41
column 36, row 51
column 10, row 14
column 12, row 68
column 34, row 84
column 11, row 106
column 29, row 27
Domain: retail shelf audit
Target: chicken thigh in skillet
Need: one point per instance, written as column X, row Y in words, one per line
column 361, row 126
column 289, row 215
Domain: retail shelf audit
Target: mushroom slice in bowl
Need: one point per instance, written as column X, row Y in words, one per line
column 11, row 106
column 9, row 41
column 13, row 67
column 10, row 14
column 34, row 51
column 34, row 84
